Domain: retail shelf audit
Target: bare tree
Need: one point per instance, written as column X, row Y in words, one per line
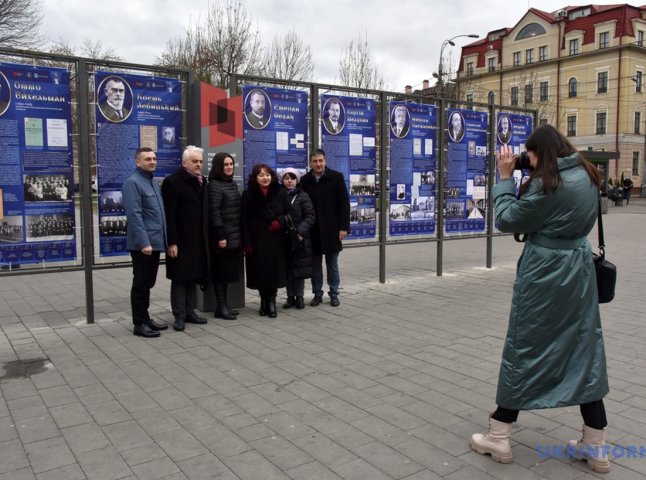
column 19, row 23
column 288, row 58
column 227, row 42
column 357, row 67
column 89, row 49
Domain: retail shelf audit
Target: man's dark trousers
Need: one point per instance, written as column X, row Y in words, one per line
column 144, row 270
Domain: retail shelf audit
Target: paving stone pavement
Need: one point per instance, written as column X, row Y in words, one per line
column 390, row 385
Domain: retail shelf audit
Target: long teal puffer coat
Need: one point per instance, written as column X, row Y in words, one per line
column 554, row 354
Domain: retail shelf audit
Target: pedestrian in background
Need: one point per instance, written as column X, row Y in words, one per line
column 225, row 219
column 554, row 352
column 299, row 243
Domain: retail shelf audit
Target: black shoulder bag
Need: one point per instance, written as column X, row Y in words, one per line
column 605, row 270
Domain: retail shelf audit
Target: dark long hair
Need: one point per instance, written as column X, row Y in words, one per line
column 549, row 144
column 217, row 166
column 253, row 182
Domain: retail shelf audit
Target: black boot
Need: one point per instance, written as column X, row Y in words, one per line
column 264, row 307
column 232, row 311
column 290, row 302
column 271, row 306
column 300, row 303
column 222, row 311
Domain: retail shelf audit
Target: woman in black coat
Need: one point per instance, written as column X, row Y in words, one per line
column 264, row 206
column 299, row 256
column 225, row 223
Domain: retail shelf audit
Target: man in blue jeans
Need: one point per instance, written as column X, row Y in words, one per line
column 329, row 194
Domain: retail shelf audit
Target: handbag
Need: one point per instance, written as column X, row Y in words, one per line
column 606, row 271
column 294, row 240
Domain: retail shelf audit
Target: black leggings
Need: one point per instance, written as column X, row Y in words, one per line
column 593, row 413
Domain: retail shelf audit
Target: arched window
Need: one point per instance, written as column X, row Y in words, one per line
column 531, row 30
column 571, row 88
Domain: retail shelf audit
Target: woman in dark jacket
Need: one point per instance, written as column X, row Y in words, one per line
column 264, row 206
column 299, row 256
column 225, row 213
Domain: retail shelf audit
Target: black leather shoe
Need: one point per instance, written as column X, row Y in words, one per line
column 152, row 324
column 300, row 303
column 289, row 303
column 316, row 300
column 179, row 324
column 193, row 318
column 144, row 330
column 334, row 301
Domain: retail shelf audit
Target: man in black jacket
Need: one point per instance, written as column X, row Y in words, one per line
column 329, row 194
column 186, row 206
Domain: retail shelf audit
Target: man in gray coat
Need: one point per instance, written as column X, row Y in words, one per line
column 146, row 238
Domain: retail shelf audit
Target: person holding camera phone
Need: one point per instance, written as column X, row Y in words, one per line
column 554, row 351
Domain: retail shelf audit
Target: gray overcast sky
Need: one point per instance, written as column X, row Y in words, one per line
column 405, row 36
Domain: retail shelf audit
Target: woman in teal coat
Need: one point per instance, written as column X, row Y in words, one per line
column 554, row 353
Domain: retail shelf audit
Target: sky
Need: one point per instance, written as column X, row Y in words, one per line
column 405, row 36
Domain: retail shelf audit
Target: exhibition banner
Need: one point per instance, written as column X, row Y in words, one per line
column 132, row 111
column 275, row 129
column 37, row 216
column 466, row 171
column 513, row 130
column 413, row 132
column 348, row 136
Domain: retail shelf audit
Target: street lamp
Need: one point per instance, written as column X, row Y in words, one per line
column 440, row 69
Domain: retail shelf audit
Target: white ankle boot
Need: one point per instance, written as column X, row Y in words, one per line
column 495, row 442
column 591, row 447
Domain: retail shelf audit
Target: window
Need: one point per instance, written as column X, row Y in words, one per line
column 529, row 94
column 635, row 168
column 544, row 91
column 514, row 95
column 571, row 88
column 529, row 56
column 638, row 121
column 542, row 53
column 571, row 125
column 602, row 82
column 531, row 30
column 470, row 97
column 516, row 59
column 601, row 123
column 542, row 122
column 638, row 81
column 491, row 64
column 640, row 38
column 469, row 69
column 574, row 46
column 604, row 40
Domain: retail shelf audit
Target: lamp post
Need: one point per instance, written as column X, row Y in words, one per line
column 440, row 68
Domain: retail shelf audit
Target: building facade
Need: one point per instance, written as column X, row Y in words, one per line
column 582, row 68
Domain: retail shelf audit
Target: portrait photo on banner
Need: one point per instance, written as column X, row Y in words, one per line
column 5, row 94
column 257, row 109
column 400, row 121
column 456, row 126
column 504, row 129
column 115, row 99
column 333, row 115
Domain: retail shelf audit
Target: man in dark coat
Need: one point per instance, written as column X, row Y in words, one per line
column 329, row 194
column 186, row 204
